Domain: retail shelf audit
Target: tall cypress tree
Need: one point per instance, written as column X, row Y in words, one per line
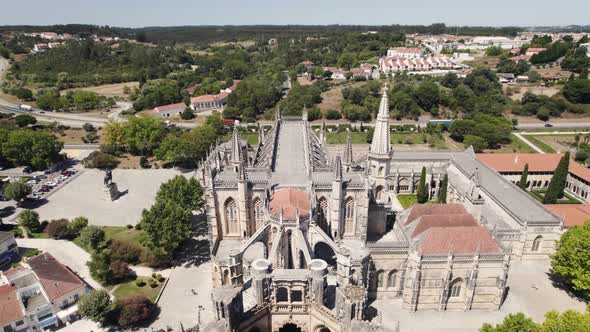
column 442, row 196
column 557, row 184
column 523, row 177
column 422, row 193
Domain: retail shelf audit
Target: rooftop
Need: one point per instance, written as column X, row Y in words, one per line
column 10, row 309
column 572, row 214
column 56, row 278
column 290, row 201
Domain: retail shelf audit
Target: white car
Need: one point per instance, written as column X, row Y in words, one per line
column 32, row 181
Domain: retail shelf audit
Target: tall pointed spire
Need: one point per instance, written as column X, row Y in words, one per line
column 236, row 148
column 338, row 169
column 323, row 133
column 348, row 151
column 260, row 134
column 381, row 144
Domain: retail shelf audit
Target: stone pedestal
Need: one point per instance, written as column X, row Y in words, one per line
column 111, row 192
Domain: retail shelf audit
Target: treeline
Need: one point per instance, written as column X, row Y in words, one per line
column 74, row 29
column 86, row 62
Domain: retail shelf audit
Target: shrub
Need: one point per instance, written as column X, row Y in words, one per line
column 154, row 275
column 88, row 127
column 140, row 283
column 120, row 270
column 160, row 278
column 58, row 229
column 135, row 311
column 77, row 225
column 333, row 115
column 143, row 162
column 129, row 226
column 91, row 236
column 152, row 283
column 187, row 114
column 153, row 259
column 98, row 159
column 125, row 252
column 138, row 226
column 31, row 253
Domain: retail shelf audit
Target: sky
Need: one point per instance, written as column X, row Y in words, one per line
column 138, row 13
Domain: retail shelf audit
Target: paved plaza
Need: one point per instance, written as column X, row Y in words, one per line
column 85, row 196
column 531, row 291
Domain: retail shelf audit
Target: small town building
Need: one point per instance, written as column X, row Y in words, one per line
column 166, row 111
column 534, row 50
column 209, row 102
column 337, row 73
column 505, row 77
column 405, row 52
column 39, row 294
column 8, row 248
column 367, row 71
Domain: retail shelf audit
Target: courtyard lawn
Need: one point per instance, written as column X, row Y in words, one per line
column 396, row 138
column 567, row 198
column 119, row 233
column 540, row 144
column 407, row 200
column 340, row 138
column 130, row 289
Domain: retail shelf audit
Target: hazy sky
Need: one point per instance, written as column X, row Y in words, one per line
column 136, row 13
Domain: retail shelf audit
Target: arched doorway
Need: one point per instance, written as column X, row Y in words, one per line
column 289, row 327
column 323, row 251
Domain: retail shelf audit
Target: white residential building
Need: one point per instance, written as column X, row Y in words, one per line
column 405, row 52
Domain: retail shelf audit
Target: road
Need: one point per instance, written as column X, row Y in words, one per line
column 566, row 125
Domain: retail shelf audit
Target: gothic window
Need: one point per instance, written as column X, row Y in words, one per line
column 537, row 243
column 403, row 185
column 349, row 216
column 456, row 288
column 392, row 279
column 379, row 194
column 226, row 277
column 282, row 294
column 381, row 171
column 380, row 277
column 231, row 216
column 323, row 203
column 258, row 213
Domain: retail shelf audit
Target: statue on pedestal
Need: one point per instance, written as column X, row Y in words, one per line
column 111, row 189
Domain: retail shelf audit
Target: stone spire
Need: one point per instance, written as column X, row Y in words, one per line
column 323, row 133
column 348, row 151
column 236, row 148
column 338, row 169
column 304, row 114
column 381, row 145
column 260, row 134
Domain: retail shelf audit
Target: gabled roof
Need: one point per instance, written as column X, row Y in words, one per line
column 572, row 214
column 170, row 107
column 290, row 201
column 459, row 240
column 420, row 210
column 10, row 309
column 56, row 279
column 427, row 222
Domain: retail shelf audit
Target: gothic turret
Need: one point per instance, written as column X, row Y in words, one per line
column 347, row 159
column 381, row 144
column 236, row 149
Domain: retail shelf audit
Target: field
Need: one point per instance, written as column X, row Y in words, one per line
column 407, row 200
column 518, row 91
column 484, row 61
column 332, row 99
column 110, row 90
column 515, row 146
column 243, row 43
column 539, row 143
column 74, row 136
column 432, row 141
column 556, row 143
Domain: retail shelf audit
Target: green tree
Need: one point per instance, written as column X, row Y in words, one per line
column 95, row 305
column 523, row 177
column 422, row 192
column 38, row 149
column 24, row 94
column 29, row 219
column 23, row 120
column 114, row 134
column 91, row 236
column 17, row 190
column 135, row 311
column 478, row 143
column 143, row 135
column 558, row 180
column 513, row 323
column 166, row 225
column 77, row 225
column 427, row 95
column 442, row 196
column 186, row 192
column 100, row 267
column 187, row 114
column 570, row 261
column 567, row 321
column 577, row 91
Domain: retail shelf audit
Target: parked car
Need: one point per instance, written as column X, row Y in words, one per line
column 32, row 181
column 548, row 125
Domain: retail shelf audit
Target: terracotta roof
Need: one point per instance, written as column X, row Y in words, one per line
column 209, row 98
column 10, row 309
column 427, row 222
column 420, row 210
column 290, row 200
column 459, row 240
column 536, row 49
column 406, row 49
column 170, row 107
column 514, row 162
column 57, row 279
column 572, row 214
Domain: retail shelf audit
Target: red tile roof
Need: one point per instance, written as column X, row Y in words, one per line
column 420, row 210
column 514, row 162
column 290, row 200
column 10, row 309
column 572, row 214
column 459, row 240
column 170, row 107
column 209, row 98
column 56, row 279
column 427, row 222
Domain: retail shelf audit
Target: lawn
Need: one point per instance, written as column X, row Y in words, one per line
column 567, row 198
column 130, row 289
column 540, row 144
column 119, row 233
column 407, row 200
column 396, row 138
column 516, row 145
column 340, row 138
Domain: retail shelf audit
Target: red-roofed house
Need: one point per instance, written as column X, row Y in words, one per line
column 42, row 290
column 405, row 52
column 534, row 50
column 168, row 110
column 541, row 169
column 209, row 102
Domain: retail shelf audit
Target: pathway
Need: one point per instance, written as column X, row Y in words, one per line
column 529, row 143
